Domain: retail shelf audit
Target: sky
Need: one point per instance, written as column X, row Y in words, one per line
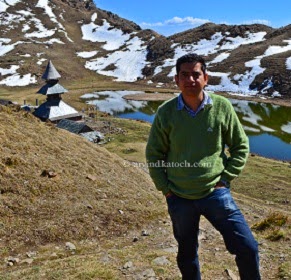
column 169, row 17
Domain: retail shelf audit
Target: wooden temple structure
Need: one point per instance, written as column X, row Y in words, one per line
column 54, row 109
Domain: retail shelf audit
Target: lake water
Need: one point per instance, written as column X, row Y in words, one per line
column 267, row 126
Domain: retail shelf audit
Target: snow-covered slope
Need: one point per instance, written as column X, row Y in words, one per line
column 83, row 39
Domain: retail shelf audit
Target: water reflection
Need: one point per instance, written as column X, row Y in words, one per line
column 146, row 113
column 112, row 102
column 267, row 126
column 262, row 118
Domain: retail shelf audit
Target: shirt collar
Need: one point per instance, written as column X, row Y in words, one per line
column 207, row 100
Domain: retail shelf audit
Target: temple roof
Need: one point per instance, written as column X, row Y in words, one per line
column 72, row 126
column 52, row 88
column 51, row 72
column 55, row 109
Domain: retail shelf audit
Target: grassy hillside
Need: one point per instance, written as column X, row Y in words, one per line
column 91, row 195
column 56, row 187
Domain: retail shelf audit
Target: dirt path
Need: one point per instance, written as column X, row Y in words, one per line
column 159, row 251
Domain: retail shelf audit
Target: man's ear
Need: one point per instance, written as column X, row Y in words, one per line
column 206, row 78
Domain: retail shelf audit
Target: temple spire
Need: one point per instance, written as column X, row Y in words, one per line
column 51, row 72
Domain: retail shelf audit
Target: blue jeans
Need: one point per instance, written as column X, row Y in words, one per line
column 221, row 211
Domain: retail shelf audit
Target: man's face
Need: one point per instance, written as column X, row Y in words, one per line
column 191, row 80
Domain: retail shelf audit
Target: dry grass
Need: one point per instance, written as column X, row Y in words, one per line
column 267, row 180
column 36, row 210
column 39, row 213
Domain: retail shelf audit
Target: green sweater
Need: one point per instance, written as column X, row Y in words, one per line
column 186, row 155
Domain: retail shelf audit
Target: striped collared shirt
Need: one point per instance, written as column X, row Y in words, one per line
column 181, row 104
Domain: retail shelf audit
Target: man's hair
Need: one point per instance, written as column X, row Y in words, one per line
column 189, row 58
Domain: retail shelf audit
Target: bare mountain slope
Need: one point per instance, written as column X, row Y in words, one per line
column 90, row 42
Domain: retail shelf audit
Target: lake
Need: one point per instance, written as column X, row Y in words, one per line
column 267, row 126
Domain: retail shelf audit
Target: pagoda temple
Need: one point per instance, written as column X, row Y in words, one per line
column 54, row 109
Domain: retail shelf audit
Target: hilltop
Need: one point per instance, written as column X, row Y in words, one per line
column 90, row 45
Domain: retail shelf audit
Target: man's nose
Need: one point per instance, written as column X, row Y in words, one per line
column 191, row 78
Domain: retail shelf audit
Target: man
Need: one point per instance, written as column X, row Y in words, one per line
column 187, row 162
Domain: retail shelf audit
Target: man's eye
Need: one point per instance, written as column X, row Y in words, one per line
column 188, row 75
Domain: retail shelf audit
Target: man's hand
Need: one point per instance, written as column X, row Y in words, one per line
column 169, row 194
column 220, row 184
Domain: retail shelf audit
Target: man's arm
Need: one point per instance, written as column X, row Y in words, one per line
column 237, row 141
column 156, row 151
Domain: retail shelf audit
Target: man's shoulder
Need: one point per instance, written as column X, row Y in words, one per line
column 216, row 97
column 219, row 100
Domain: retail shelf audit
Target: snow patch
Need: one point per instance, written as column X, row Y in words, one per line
column 44, row 4
column 12, row 2
column 276, row 94
column 4, row 49
column 128, row 63
column 202, row 47
column 5, row 40
column 40, row 61
column 26, row 55
column 245, row 80
column 9, row 20
column 112, row 37
column 278, row 49
column 42, row 31
column 220, row 58
column 158, row 70
column 87, row 54
column 251, row 38
column 25, row 13
column 227, row 85
column 25, row 28
column 18, row 80
column 288, row 63
column 94, row 17
column 11, row 70
column 52, row 41
column 4, row 5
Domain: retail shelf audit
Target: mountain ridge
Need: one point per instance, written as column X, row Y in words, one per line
column 87, row 41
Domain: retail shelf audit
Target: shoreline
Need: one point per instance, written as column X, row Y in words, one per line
column 166, row 96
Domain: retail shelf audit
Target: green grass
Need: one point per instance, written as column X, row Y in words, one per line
column 273, row 220
column 129, row 145
column 276, row 235
column 285, row 270
column 274, row 227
